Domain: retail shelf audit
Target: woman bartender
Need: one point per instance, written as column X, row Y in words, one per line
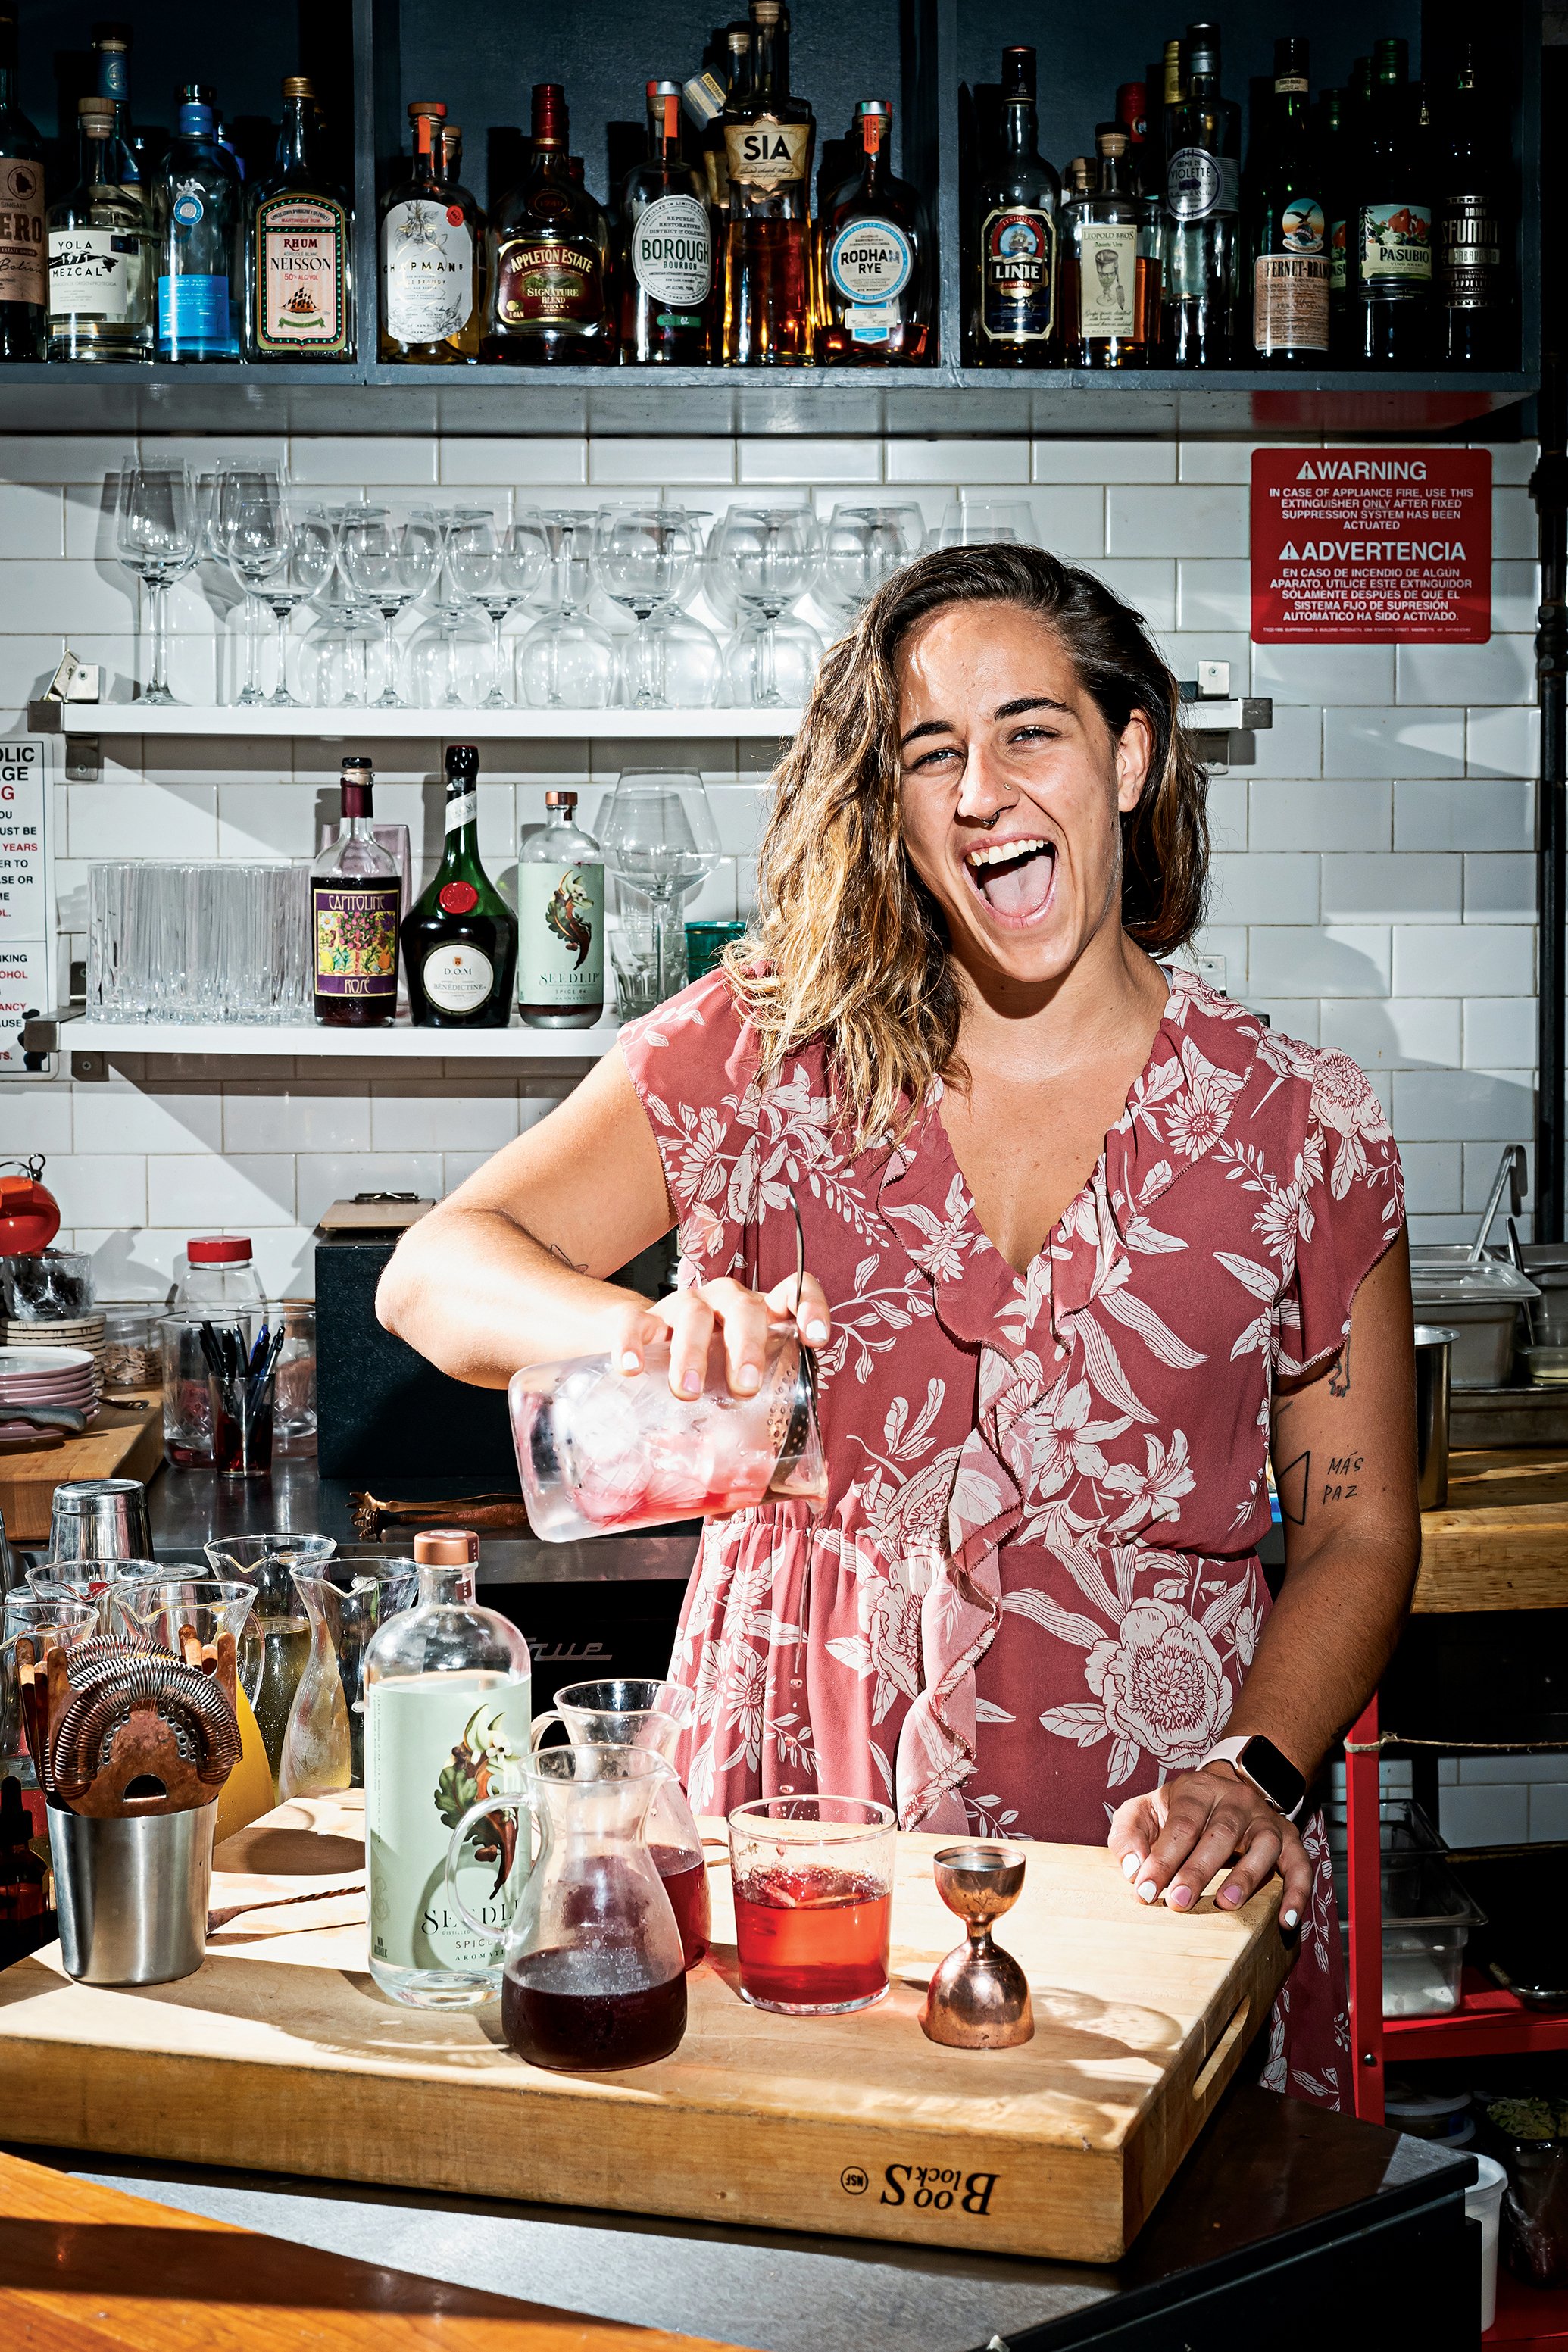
column 1087, row 1242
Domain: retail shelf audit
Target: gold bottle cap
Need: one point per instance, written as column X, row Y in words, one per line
column 103, row 109
column 560, row 800
column 446, row 1548
column 298, row 86
column 433, row 106
column 766, row 12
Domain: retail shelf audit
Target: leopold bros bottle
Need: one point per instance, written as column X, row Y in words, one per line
column 873, row 278
column 429, row 263
column 667, row 260
column 550, row 258
column 198, row 222
column 459, row 940
column 355, row 893
column 23, row 286
column 1111, row 268
column 1286, row 227
column 769, row 140
column 1018, row 320
column 101, row 252
column 560, row 922
column 1474, row 289
column 447, row 1704
column 299, row 279
column 1202, row 252
column 1390, row 303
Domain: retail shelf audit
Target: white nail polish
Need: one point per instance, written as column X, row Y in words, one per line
column 815, row 1335
column 1132, row 1863
column 630, row 1360
column 1148, row 1892
column 1288, row 1919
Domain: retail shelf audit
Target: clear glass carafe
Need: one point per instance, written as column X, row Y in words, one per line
column 323, row 1741
column 594, row 1979
column 280, row 1626
column 637, row 1712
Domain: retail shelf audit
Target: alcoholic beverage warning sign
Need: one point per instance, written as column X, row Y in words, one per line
column 1371, row 546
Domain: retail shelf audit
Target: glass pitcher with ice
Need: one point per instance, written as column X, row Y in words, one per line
column 594, row 1975
column 654, row 1715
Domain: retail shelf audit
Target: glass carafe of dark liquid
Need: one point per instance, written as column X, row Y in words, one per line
column 637, row 1712
column 594, row 1975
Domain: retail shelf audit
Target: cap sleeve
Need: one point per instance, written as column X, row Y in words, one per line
column 692, row 1062
column 1351, row 1206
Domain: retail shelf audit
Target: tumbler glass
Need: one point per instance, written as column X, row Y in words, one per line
column 41, row 1622
column 814, row 1902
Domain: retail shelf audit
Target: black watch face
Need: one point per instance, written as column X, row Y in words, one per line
column 1275, row 1774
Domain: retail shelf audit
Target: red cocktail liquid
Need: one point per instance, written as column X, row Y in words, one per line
column 552, row 2015
column 811, row 1938
column 685, row 1877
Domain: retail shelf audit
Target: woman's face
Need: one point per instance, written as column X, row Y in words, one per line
column 1012, row 789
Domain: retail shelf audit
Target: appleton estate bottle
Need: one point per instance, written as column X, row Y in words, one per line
column 24, row 289
column 299, row 283
column 666, row 269
column 874, row 278
column 560, row 922
column 1018, row 323
column 427, row 256
column 1286, row 226
column 458, row 938
column 769, row 140
column 549, row 258
column 1391, row 305
column 355, row 890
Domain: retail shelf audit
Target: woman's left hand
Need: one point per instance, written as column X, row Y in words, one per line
column 1173, row 1841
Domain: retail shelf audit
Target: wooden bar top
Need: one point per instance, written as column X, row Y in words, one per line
column 1502, row 1541
column 88, row 2269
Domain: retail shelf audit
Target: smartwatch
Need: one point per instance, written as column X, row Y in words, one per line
column 1258, row 1760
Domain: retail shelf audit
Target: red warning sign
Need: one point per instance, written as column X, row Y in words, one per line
column 1371, row 546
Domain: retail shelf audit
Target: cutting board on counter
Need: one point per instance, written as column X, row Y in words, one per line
column 279, row 2053
column 121, row 1443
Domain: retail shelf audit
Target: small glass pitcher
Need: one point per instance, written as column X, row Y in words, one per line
column 593, row 1976
column 323, row 1742
column 279, row 1629
column 186, row 1612
column 639, row 1712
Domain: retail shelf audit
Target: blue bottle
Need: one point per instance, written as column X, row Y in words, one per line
column 198, row 217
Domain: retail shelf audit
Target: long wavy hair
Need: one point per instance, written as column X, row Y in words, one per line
column 847, row 942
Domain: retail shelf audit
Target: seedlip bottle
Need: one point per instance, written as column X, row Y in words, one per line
column 447, row 1709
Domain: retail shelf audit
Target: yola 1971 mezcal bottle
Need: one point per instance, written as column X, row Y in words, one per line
column 449, row 1701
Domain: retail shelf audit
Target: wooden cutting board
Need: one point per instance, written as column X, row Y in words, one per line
column 121, row 1443
column 281, row 2055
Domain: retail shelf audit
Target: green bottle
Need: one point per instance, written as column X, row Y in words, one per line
column 459, row 938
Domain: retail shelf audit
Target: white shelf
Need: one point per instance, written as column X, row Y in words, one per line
column 401, row 1042
column 104, row 718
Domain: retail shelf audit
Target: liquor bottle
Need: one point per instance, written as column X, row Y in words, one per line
column 1477, row 326
column 24, row 1905
column 707, row 94
column 1018, row 323
column 1172, row 91
column 458, row 938
column 1390, row 288
column 428, row 264
column 874, row 277
column 198, row 224
column 560, row 922
column 667, row 269
column 100, row 253
column 356, row 889
column 1200, row 256
column 450, row 144
column 1286, row 225
column 299, row 279
column 111, row 65
column 769, row 142
column 24, row 279
column 549, row 254
column 447, row 1704
column 1333, row 165
column 1110, row 268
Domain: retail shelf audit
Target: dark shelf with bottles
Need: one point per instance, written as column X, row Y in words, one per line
column 918, row 54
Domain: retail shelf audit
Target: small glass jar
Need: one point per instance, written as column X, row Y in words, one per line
column 132, row 1358
column 294, row 1427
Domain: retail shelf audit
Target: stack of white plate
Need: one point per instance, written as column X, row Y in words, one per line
column 84, row 1331
column 46, row 1375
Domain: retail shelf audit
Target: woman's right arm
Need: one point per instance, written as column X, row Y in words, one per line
column 509, row 1269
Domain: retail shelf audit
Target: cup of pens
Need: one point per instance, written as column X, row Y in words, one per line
column 241, row 1351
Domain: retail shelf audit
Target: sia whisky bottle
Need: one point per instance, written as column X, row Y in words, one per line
column 427, row 261
column 667, row 269
column 1287, row 227
column 560, row 922
column 299, row 279
column 769, row 140
column 1201, row 253
column 24, row 284
column 1390, row 290
column 549, row 258
column 1019, row 319
column 875, row 291
column 459, row 940
column 355, row 894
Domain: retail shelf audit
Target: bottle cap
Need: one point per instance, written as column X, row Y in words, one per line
column 446, row 1548
column 356, row 761
column 1018, row 73
column 96, row 110
column 1203, row 50
column 560, row 800
column 549, row 117
column 766, row 12
column 873, row 105
column 194, row 121
column 1111, row 138
column 1133, row 108
column 298, row 86
column 433, row 106
column 662, row 89
column 217, row 1249
column 463, row 760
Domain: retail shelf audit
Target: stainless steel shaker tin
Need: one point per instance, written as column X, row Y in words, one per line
column 132, row 1894
column 100, row 1519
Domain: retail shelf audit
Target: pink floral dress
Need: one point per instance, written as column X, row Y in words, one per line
column 1033, row 1590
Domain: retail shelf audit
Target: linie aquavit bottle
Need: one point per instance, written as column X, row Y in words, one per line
column 459, row 940
column 299, row 283
column 875, row 291
column 1287, row 226
column 666, row 271
column 24, row 289
column 355, row 901
column 1018, row 323
column 549, row 258
column 427, row 256
column 560, row 922
column 769, row 140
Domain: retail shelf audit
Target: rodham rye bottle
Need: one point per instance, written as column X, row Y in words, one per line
column 459, row 942
column 560, row 922
column 300, row 279
column 355, row 887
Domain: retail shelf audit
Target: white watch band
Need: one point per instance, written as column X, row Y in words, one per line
column 1229, row 1751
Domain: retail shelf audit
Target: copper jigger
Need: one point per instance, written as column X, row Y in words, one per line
column 979, row 1997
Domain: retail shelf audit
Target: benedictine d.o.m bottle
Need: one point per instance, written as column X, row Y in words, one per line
column 459, row 941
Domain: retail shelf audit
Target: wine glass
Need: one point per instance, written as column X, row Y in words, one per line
column 646, row 559
column 389, row 560
column 302, row 552
column 567, row 662
column 981, row 522
column 658, row 836
column 496, row 566
column 862, row 547
column 157, row 537
column 238, row 484
column 767, row 557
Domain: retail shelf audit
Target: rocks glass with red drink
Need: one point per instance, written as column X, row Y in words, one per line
column 814, row 1902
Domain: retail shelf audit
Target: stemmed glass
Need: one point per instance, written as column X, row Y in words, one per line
column 567, row 661
column 496, row 566
column 238, row 485
column 389, row 560
column 766, row 558
column 157, row 537
column 646, row 559
column 658, row 836
column 303, row 553
column 862, row 547
column 978, row 523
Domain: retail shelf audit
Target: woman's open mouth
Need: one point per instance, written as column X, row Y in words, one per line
column 1015, row 878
